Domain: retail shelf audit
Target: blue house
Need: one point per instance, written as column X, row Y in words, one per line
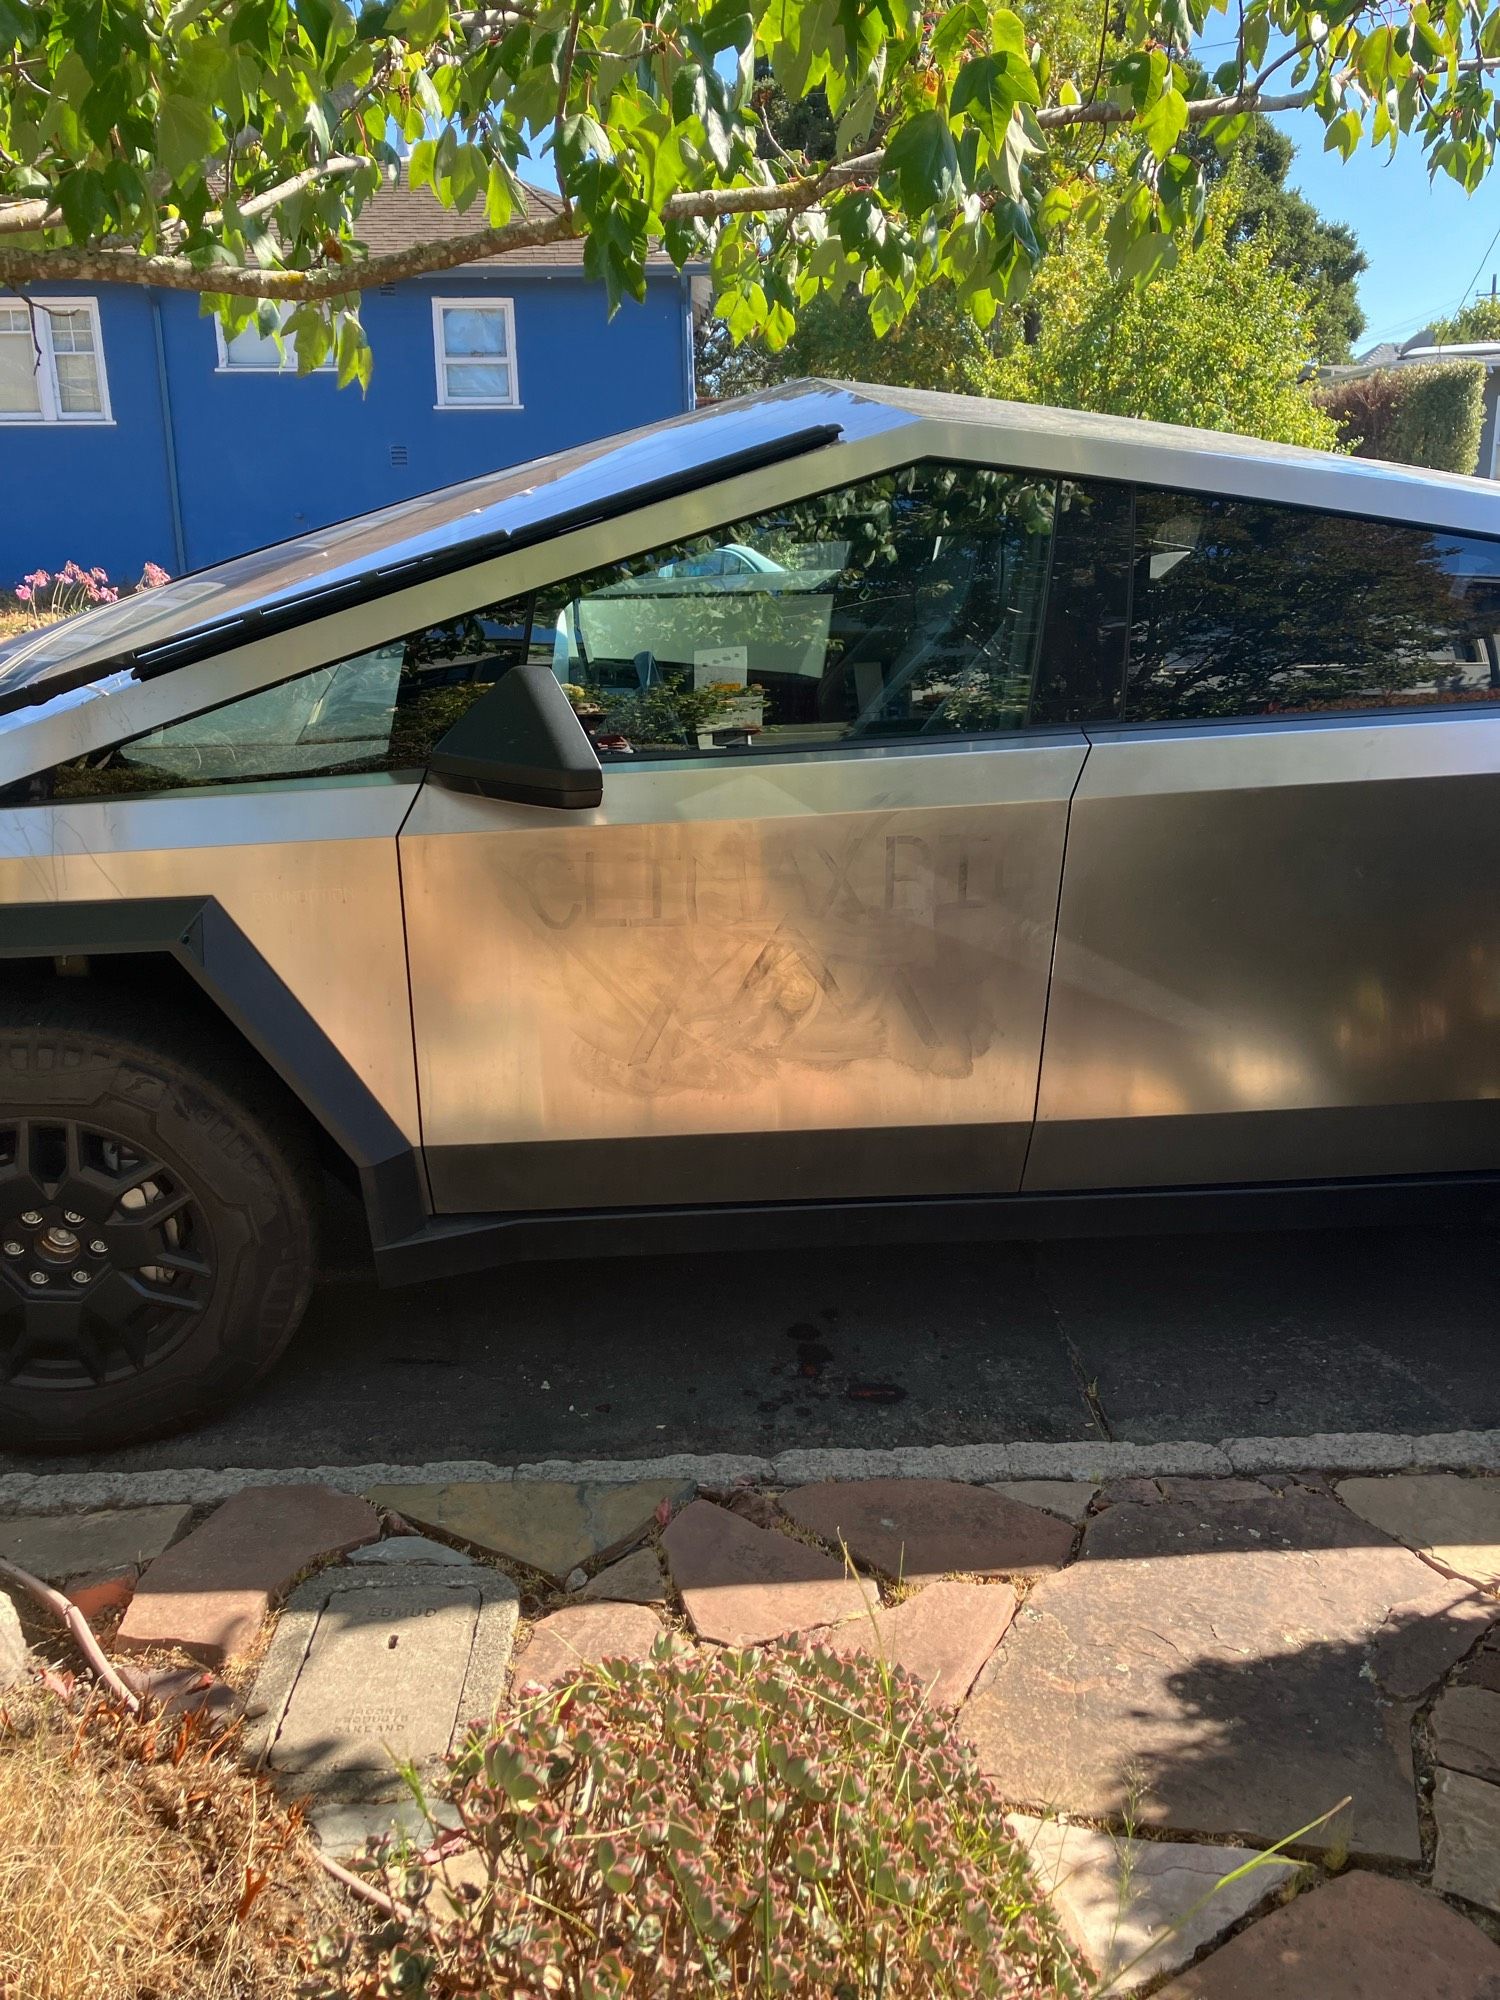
column 129, row 432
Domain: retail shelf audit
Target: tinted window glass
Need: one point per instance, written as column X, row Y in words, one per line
column 1245, row 609
column 1081, row 673
column 907, row 606
column 377, row 711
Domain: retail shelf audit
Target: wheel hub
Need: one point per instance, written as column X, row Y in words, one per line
column 57, row 1244
column 105, row 1256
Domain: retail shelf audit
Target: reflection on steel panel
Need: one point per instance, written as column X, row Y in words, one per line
column 850, row 946
column 1278, row 956
column 308, row 874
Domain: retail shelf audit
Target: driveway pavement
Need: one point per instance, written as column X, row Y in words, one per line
column 1144, row 1340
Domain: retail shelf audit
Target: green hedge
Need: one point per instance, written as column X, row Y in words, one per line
column 1428, row 414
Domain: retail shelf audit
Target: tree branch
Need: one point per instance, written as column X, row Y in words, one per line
column 99, row 263
column 18, row 217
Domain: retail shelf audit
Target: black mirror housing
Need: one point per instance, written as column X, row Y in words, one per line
column 522, row 741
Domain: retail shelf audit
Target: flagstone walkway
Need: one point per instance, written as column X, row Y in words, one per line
column 1162, row 1677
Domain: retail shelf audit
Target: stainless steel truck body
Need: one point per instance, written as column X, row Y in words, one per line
column 843, row 807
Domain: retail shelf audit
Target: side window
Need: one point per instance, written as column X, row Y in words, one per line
column 1244, row 609
column 905, row 607
column 376, row 711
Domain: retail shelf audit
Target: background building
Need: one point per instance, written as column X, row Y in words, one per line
column 128, row 433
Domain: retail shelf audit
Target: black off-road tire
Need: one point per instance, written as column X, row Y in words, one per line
column 187, row 1281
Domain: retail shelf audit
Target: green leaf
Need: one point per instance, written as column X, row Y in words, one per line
column 922, row 156
column 1144, row 75
column 421, row 162
column 186, row 135
column 499, row 196
column 1164, row 122
column 1343, row 134
column 956, row 27
column 351, row 351
column 989, row 88
column 1019, row 145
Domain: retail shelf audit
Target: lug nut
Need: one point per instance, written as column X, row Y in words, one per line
column 32, row 1219
column 39, row 1277
column 80, row 1277
column 14, row 1249
column 98, row 1247
column 69, row 1216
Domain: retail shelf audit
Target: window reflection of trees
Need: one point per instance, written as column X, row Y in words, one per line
column 932, row 579
column 1243, row 609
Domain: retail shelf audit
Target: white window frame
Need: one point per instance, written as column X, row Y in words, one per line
column 51, row 410
column 287, row 365
column 507, row 309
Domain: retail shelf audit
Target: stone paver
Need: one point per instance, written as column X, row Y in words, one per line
column 1466, row 1731
column 56, row 1547
column 634, row 1579
column 1454, row 1520
column 583, row 1635
column 743, row 1585
column 1067, row 1498
column 369, row 1665
column 1233, row 1669
column 1482, row 1668
column 1467, row 1811
column 942, row 1634
column 15, row 1660
column 1116, row 1898
column 103, row 1594
column 405, row 1549
column 918, row 1528
column 209, row 1592
column 550, row 1525
column 1360, row 1937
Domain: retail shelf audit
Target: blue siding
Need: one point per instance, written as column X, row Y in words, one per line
column 95, row 493
column 259, row 457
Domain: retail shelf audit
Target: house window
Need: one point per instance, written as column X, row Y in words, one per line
column 476, row 354
column 52, row 363
column 255, row 353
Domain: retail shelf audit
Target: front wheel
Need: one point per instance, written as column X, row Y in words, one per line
column 156, row 1232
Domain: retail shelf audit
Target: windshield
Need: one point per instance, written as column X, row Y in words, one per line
column 410, row 534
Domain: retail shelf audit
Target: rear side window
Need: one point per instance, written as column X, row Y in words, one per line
column 1245, row 609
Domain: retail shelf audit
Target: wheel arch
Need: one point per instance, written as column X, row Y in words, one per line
column 250, row 1001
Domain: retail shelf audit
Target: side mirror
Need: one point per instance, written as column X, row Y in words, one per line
column 522, row 741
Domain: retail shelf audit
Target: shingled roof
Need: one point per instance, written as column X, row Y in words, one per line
column 399, row 216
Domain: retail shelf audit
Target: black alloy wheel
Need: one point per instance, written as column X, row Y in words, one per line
column 105, row 1256
column 157, row 1205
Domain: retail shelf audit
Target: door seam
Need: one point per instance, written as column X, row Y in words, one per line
column 1062, row 876
column 411, row 999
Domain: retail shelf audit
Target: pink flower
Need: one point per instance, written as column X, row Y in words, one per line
column 106, row 596
column 99, row 575
column 153, row 576
column 38, row 579
column 23, row 593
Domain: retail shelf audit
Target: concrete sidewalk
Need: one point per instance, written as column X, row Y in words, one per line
column 1163, row 1675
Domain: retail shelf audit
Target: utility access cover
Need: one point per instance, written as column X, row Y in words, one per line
column 375, row 1667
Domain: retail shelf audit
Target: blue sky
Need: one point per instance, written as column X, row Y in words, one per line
column 1429, row 244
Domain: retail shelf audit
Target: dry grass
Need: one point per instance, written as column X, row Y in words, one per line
column 138, row 1862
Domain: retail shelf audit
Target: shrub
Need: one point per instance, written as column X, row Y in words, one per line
column 734, row 1825
column 1430, row 413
